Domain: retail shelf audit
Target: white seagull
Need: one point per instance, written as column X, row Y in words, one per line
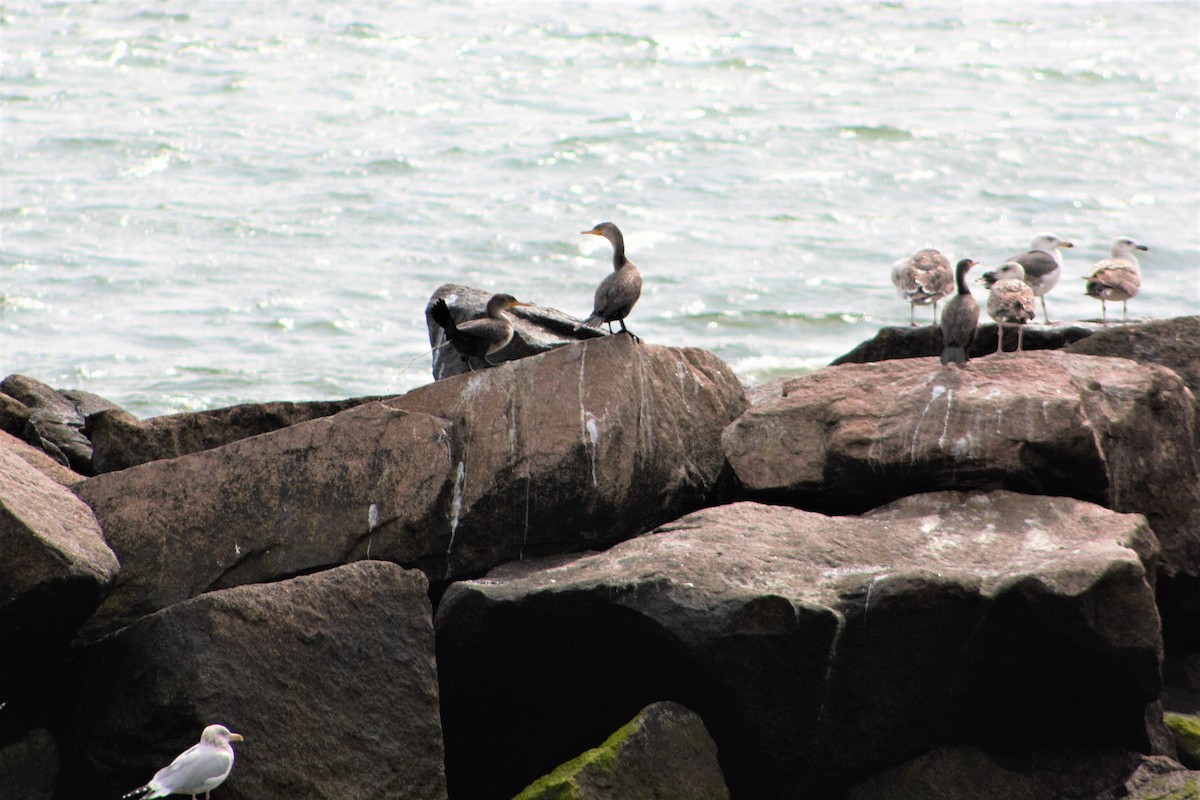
column 1042, row 265
column 201, row 768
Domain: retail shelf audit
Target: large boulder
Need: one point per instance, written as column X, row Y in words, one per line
column 1107, row 430
column 536, row 329
column 664, row 753
column 818, row 650
column 39, row 460
column 56, row 420
column 54, row 566
column 29, row 767
column 1173, row 343
column 329, row 677
column 897, row 342
column 120, row 440
column 578, row 448
column 1161, row 779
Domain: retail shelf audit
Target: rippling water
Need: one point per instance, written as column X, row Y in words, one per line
column 210, row 203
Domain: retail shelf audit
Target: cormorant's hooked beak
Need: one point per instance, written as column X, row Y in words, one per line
column 516, row 303
column 593, row 231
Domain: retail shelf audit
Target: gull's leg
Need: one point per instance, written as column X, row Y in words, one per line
column 1020, row 334
column 999, row 338
column 1045, row 316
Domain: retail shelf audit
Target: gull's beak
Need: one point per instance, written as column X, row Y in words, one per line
column 1142, row 247
column 236, row 737
column 1065, row 244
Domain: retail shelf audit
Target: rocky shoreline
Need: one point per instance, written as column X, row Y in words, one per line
column 606, row 569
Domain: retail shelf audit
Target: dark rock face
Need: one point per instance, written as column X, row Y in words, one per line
column 1099, row 429
column 578, row 448
column 1173, row 343
column 55, row 419
column 330, row 678
column 816, row 649
column 54, row 567
column 29, row 767
column 896, row 342
column 536, row 329
column 664, row 753
column 120, row 440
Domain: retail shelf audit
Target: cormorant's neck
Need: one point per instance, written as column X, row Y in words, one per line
column 618, row 243
column 961, row 280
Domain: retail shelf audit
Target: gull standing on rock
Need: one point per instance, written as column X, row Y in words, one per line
column 478, row 337
column 201, row 768
column 923, row 278
column 959, row 318
column 1010, row 300
column 1116, row 278
column 1043, row 265
column 617, row 293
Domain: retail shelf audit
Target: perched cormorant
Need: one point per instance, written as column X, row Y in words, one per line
column 1116, row 278
column 478, row 338
column 1010, row 300
column 1042, row 265
column 923, row 278
column 959, row 318
column 617, row 293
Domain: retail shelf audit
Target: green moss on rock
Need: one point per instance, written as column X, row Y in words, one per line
column 562, row 783
column 1186, row 730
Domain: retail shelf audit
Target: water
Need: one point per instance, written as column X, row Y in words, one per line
column 211, row 203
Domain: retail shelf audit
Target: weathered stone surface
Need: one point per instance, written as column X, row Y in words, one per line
column 1162, row 779
column 56, row 419
column 575, row 449
column 54, row 566
column 1186, row 730
column 818, row 650
column 330, row 678
column 967, row 773
column 29, row 767
column 1173, row 343
column 536, row 329
column 64, row 476
column 664, row 753
column 897, row 342
column 1106, row 430
column 370, row 482
column 120, row 440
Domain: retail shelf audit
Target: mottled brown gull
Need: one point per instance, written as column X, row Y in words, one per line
column 201, row 768
column 1118, row 277
column 921, row 279
column 1010, row 300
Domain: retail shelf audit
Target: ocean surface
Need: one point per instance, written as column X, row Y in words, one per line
column 207, row 203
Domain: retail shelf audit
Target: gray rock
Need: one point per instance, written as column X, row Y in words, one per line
column 817, row 649
column 329, row 677
column 29, row 767
column 897, row 342
column 1173, row 343
column 664, row 753
column 56, row 419
column 1162, row 779
column 536, row 329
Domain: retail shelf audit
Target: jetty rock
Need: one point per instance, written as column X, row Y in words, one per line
column 1106, row 430
column 330, row 677
column 577, row 448
column 818, row 650
column 536, row 329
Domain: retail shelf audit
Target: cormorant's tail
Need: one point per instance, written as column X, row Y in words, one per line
column 956, row 354
column 441, row 315
column 594, row 321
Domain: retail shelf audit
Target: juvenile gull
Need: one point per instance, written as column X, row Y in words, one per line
column 201, row 768
column 1116, row 278
column 620, row 289
column 923, row 278
column 1042, row 265
column 959, row 318
column 1010, row 300
column 478, row 338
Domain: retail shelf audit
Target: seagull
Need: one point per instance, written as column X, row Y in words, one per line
column 1116, row 278
column 1010, row 299
column 620, row 289
column 1042, row 265
column 923, row 278
column 201, row 768
column 960, row 318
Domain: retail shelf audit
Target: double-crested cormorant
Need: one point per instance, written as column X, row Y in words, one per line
column 478, row 338
column 959, row 318
column 923, row 278
column 1042, row 265
column 617, row 293
column 1010, row 300
column 1116, row 278
column 201, row 768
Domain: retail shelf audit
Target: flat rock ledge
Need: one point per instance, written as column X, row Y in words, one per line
column 818, row 650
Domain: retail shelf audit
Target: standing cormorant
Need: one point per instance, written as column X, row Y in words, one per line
column 617, row 293
column 1042, row 265
column 959, row 318
column 1010, row 300
column 1116, row 278
column 923, row 278
column 478, row 338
